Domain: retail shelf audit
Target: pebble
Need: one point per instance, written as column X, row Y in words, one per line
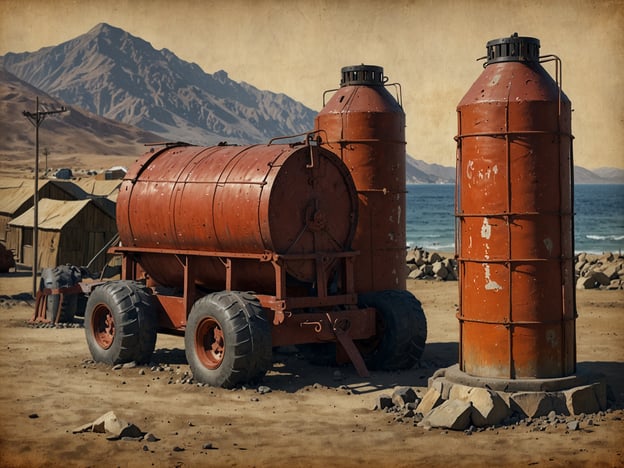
column 149, row 437
column 573, row 425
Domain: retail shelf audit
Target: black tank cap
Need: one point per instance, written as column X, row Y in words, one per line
column 513, row 49
column 370, row 75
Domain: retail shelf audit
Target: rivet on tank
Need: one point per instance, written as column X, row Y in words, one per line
column 364, row 125
column 515, row 218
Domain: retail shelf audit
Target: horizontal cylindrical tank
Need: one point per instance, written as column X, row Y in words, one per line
column 284, row 199
column 364, row 125
column 514, row 214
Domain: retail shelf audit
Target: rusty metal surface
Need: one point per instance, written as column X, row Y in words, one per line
column 255, row 200
column 364, row 125
column 318, row 327
column 515, row 232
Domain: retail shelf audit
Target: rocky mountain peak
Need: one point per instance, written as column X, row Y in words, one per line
column 113, row 74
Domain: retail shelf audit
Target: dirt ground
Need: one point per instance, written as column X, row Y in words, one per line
column 309, row 419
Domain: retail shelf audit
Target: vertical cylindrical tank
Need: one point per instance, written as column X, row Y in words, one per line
column 364, row 125
column 514, row 218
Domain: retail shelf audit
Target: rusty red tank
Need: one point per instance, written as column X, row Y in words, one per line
column 515, row 218
column 250, row 200
column 364, row 125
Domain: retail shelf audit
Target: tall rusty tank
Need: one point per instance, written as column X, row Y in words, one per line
column 251, row 201
column 364, row 125
column 514, row 214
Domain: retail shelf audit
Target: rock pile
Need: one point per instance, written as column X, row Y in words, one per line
column 594, row 271
column 423, row 265
column 458, row 407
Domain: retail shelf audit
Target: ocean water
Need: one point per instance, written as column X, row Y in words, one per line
column 598, row 220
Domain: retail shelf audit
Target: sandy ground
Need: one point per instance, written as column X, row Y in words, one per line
column 50, row 386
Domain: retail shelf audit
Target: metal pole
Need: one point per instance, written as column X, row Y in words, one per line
column 36, row 202
column 36, row 119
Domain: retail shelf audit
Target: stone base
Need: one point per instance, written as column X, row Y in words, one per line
column 492, row 400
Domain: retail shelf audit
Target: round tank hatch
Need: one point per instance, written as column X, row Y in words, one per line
column 513, row 49
column 368, row 75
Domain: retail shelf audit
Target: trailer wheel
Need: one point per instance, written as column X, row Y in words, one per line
column 62, row 276
column 401, row 330
column 228, row 339
column 120, row 323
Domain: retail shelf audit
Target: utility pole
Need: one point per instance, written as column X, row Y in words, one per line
column 36, row 118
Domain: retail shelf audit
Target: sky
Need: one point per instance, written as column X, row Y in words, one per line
column 430, row 47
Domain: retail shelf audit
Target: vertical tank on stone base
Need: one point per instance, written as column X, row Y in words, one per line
column 515, row 218
column 364, row 125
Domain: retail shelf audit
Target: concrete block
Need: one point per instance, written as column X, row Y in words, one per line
column 443, row 386
column 452, row 414
column 488, row 407
column 436, row 375
column 384, row 401
column 430, row 400
column 532, row 404
column 403, row 395
column 582, row 400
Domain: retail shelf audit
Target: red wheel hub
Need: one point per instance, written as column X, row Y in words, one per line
column 103, row 326
column 209, row 343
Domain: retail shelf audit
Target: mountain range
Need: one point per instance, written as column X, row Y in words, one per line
column 122, row 91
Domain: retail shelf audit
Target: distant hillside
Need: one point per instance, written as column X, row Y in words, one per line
column 611, row 174
column 113, row 74
column 420, row 172
column 75, row 131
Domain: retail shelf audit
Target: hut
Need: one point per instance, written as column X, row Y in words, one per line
column 99, row 188
column 114, row 173
column 69, row 232
column 16, row 197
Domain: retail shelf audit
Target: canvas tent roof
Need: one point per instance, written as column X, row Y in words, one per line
column 53, row 214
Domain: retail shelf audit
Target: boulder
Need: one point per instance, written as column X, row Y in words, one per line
column 452, row 414
column 586, row 282
column 582, row 400
column 435, row 257
column 111, row 424
column 488, row 407
column 403, row 395
column 430, row 400
column 532, row 404
column 439, row 270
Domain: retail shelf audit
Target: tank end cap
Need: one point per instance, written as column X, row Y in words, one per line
column 368, row 75
column 513, row 49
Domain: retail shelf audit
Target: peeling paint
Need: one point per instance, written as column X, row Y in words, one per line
column 495, row 80
column 489, row 284
column 469, row 169
column 486, row 229
column 549, row 245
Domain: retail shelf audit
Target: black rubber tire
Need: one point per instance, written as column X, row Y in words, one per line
column 228, row 339
column 129, row 306
column 62, row 276
column 401, row 330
